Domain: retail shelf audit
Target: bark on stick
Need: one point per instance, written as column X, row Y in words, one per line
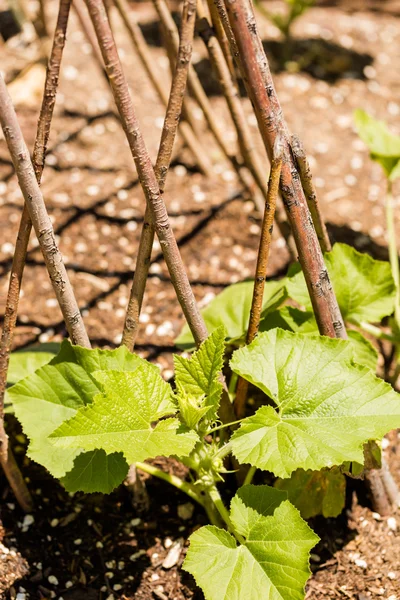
column 261, row 268
column 310, row 193
column 168, row 135
column 40, row 219
column 261, row 90
column 230, row 91
column 10, row 316
column 145, row 170
column 139, row 42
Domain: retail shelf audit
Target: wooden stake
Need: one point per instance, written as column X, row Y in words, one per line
column 261, row 268
column 171, row 121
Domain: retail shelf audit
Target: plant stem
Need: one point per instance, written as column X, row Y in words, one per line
column 379, row 334
column 261, row 267
column 87, row 30
column 249, row 476
column 310, row 193
column 223, row 426
column 393, row 254
column 224, row 451
column 261, row 90
column 220, row 506
column 177, row 482
column 168, row 135
column 222, row 39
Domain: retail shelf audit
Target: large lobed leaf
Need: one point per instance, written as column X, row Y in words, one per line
column 270, row 563
column 120, row 419
column 327, row 407
column 231, row 309
column 364, row 287
column 54, row 393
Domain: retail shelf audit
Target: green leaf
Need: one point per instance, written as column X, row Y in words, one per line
column 327, row 407
column 43, row 400
column 231, row 309
column 121, row 417
column 316, row 492
column 272, row 560
column 383, row 145
column 198, row 377
column 364, row 353
column 299, row 321
column 364, row 287
column 290, row 318
column 26, row 361
column 395, row 172
column 96, row 472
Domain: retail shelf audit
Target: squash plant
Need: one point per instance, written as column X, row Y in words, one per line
column 366, row 293
column 89, row 414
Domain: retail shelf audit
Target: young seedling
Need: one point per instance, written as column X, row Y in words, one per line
column 284, row 21
column 384, row 148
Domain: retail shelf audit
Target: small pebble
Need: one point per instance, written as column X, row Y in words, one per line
column 28, row 520
column 185, row 511
column 54, row 522
column 78, row 542
column 392, row 523
column 52, row 579
column 360, row 562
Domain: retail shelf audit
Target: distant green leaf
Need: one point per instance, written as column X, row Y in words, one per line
column 316, row 492
column 231, row 309
column 383, row 145
column 272, row 561
column 395, row 172
column 327, row 407
column 198, row 376
column 121, row 418
column 43, row 400
column 364, row 287
column 96, row 472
